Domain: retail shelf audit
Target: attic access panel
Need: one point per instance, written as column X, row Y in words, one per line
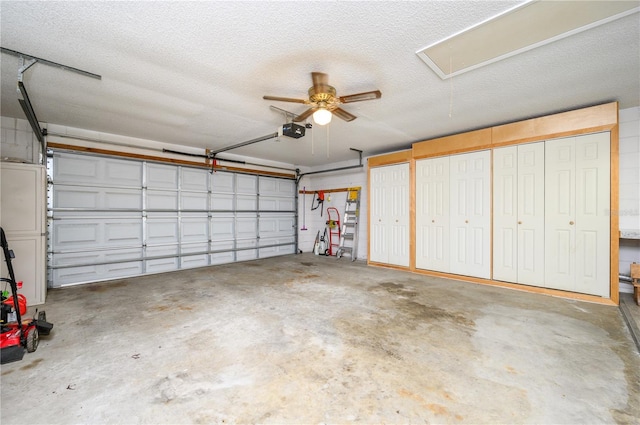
column 522, row 28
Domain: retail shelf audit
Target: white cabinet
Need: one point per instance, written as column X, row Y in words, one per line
column 518, row 214
column 389, row 215
column 22, row 216
column 577, row 222
column 453, row 214
column 432, row 214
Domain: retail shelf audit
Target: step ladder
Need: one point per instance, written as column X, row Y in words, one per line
column 349, row 232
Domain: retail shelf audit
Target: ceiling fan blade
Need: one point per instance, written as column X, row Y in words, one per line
column 369, row 95
column 306, row 114
column 341, row 113
column 320, row 80
column 284, row 99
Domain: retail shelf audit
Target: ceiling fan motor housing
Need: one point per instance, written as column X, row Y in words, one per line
column 322, row 93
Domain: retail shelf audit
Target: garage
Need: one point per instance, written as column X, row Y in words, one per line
column 232, row 216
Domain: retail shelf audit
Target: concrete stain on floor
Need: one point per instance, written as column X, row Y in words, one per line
column 309, row 339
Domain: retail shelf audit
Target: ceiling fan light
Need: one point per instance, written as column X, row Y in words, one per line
column 322, row 116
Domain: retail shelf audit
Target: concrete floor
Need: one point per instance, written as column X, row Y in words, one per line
column 306, row 339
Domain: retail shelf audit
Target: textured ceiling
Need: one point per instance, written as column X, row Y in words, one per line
column 194, row 73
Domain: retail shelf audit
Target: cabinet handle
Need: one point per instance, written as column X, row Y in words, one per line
column 379, row 219
column 396, row 221
column 466, row 221
column 571, row 223
column 519, row 222
column 433, row 221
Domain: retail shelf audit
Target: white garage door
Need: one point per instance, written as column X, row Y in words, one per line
column 110, row 218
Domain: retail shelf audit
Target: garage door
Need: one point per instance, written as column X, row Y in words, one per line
column 111, row 218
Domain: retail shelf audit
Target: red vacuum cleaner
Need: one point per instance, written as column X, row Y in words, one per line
column 17, row 335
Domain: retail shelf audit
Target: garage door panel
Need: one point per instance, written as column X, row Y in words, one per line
column 222, row 182
column 76, row 168
column 222, row 202
column 123, row 233
column 192, row 261
column 162, row 231
column 83, row 197
column 117, row 270
column 246, row 227
column 194, row 179
column 276, row 246
column 270, row 186
column 225, row 254
column 194, row 229
column 162, row 250
column 162, row 265
column 195, row 248
column 162, row 200
column 73, row 275
column 271, row 203
column 122, row 173
column 276, row 225
column 162, row 176
column 222, row 227
column 72, row 234
column 246, row 202
column 194, row 201
column 246, row 184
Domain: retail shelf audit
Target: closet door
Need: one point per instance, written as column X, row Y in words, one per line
column 592, row 220
column 577, row 199
column 518, row 214
column 560, row 205
column 470, row 179
column 432, row 214
column 378, row 198
column 505, row 214
column 398, row 217
column 531, row 191
column 389, row 215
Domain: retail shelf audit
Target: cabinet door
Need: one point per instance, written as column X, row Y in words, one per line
column 432, row 214
column 470, row 179
column 592, row 220
column 398, row 214
column 22, row 216
column 530, row 233
column 377, row 201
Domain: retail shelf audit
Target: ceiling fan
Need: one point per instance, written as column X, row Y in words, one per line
column 323, row 101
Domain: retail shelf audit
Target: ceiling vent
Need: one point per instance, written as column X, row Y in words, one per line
column 524, row 27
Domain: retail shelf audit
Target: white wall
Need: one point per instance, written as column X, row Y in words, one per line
column 339, row 179
column 629, row 210
column 18, row 142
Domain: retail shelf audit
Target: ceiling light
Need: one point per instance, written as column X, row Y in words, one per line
column 524, row 27
column 322, row 116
